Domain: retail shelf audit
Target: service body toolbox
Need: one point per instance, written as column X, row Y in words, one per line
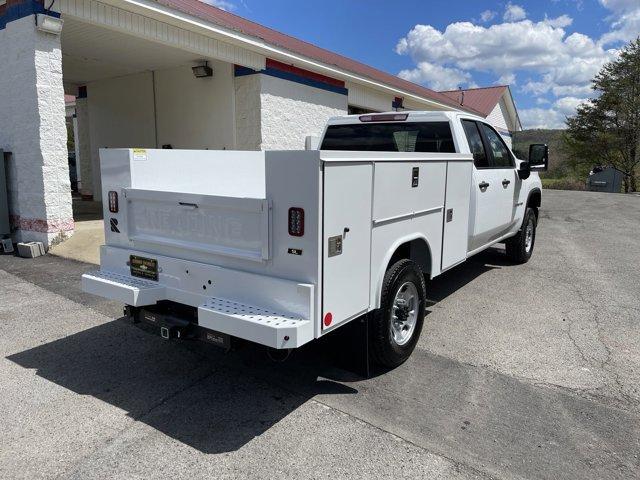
column 281, row 247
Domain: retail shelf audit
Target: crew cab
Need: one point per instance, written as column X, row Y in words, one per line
column 282, row 247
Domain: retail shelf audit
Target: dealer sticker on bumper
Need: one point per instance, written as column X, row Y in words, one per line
column 143, row 267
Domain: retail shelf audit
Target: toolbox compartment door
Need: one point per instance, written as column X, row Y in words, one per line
column 228, row 226
column 456, row 215
column 346, row 242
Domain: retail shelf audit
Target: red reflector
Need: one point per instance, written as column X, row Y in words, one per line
column 296, row 222
column 113, row 202
column 328, row 318
column 384, row 117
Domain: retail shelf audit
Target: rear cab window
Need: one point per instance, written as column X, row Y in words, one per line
column 434, row 137
column 499, row 150
column 476, row 146
column 486, row 146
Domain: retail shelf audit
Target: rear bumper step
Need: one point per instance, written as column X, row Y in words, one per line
column 127, row 289
column 258, row 324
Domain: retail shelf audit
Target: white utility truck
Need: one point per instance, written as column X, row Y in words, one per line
column 282, row 247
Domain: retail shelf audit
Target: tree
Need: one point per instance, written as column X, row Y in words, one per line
column 606, row 129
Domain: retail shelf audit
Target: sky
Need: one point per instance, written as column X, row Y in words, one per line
column 546, row 50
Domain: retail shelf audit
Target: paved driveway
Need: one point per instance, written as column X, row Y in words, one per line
column 522, row 372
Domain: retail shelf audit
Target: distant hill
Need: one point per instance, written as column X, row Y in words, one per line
column 553, row 138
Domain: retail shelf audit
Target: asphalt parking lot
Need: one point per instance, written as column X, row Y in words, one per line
column 529, row 371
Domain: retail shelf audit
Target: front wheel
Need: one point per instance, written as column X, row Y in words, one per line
column 520, row 247
column 397, row 324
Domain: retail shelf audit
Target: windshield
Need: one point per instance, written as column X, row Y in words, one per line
column 390, row 137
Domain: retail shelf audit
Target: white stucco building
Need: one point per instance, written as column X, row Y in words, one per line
column 129, row 65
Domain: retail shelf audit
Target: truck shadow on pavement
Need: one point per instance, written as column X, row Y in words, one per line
column 452, row 280
column 191, row 392
column 195, row 393
column 217, row 402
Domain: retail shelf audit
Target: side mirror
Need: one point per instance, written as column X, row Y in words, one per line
column 524, row 170
column 538, row 157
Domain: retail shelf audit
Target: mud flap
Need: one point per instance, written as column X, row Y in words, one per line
column 354, row 347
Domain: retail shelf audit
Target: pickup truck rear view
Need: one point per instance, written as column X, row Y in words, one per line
column 282, row 247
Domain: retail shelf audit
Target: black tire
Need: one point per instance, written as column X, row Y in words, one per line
column 386, row 350
column 517, row 248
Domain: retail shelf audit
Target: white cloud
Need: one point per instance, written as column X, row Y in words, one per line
column 552, row 117
column 222, row 4
column 567, row 105
column 620, row 5
column 436, row 77
column 538, row 88
column 514, row 13
column 561, row 21
column 500, row 48
column 624, row 21
column 487, row 16
column 541, row 118
column 547, row 60
column 565, row 64
column 506, row 79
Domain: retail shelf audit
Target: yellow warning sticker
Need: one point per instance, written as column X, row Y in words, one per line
column 139, row 154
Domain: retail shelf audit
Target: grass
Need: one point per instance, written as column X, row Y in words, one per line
column 562, row 184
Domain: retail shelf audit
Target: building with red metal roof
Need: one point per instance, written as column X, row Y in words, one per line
column 493, row 103
column 307, row 50
column 163, row 74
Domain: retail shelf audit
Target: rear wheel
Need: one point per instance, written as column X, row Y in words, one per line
column 397, row 324
column 520, row 248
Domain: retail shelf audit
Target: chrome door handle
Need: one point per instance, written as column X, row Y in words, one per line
column 505, row 183
column 483, row 185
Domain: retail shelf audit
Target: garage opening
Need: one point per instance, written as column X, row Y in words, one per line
column 124, row 91
column 132, row 92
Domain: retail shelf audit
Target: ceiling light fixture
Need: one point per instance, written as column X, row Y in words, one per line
column 47, row 23
column 202, row 71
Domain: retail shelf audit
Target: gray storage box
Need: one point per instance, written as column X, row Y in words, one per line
column 31, row 249
column 609, row 179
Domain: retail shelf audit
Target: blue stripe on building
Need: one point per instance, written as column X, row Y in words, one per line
column 292, row 77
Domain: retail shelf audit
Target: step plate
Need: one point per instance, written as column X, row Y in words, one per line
column 129, row 290
column 253, row 323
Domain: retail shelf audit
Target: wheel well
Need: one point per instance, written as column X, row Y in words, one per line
column 416, row 250
column 534, row 201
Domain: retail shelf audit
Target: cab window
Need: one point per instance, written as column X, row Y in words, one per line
column 501, row 158
column 476, row 146
column 390, row 137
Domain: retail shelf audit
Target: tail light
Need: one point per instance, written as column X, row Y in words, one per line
column 296, row 222
column 384, row 117
column 113, row 201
